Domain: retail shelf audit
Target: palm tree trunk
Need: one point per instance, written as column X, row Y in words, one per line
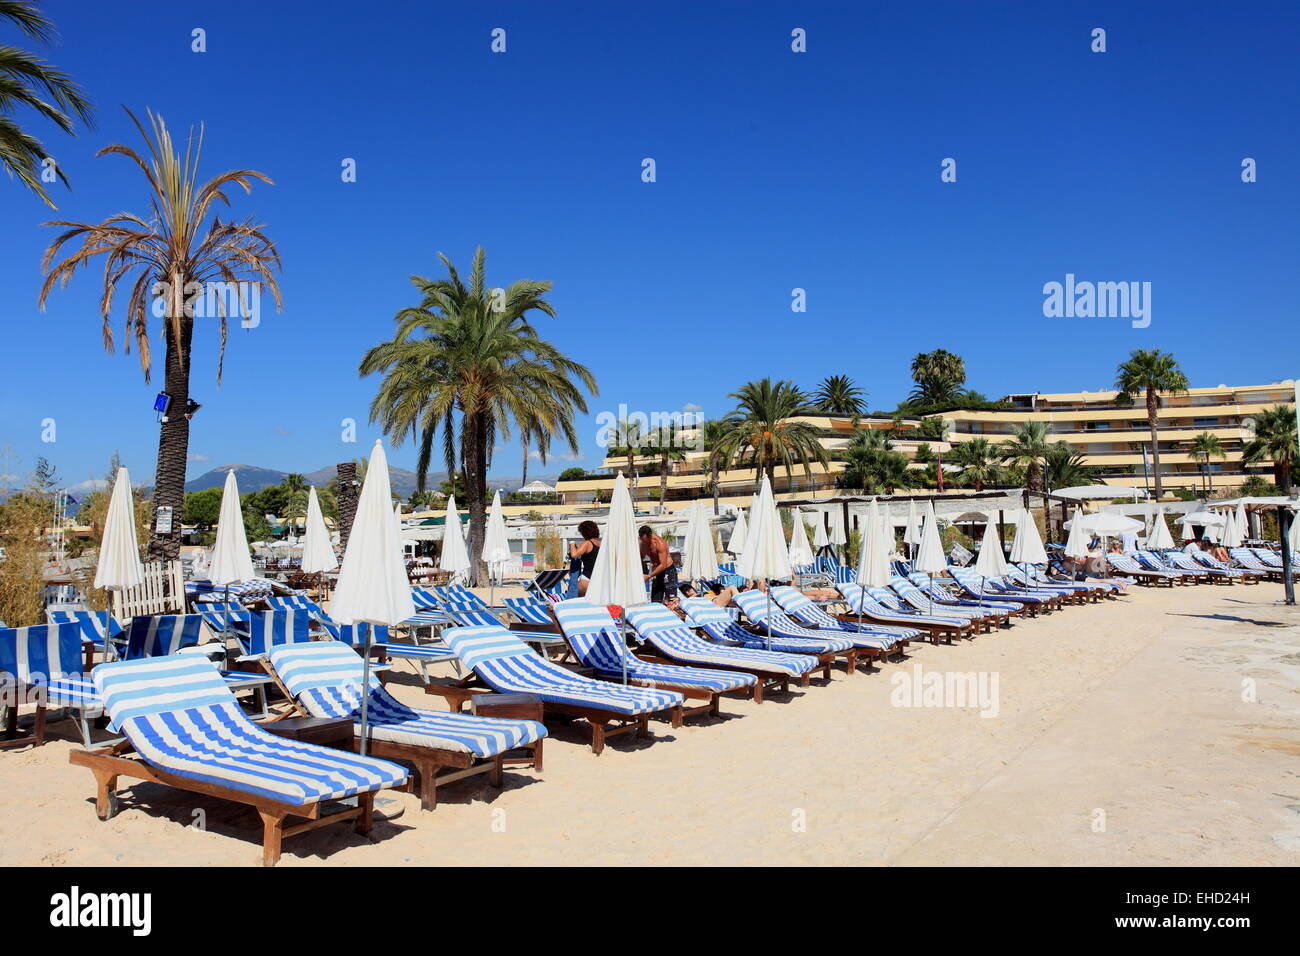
column 524, row 480
column 173, row 442
column 475, row 470
column 1154, row 421
column 713, row 476
column 663, row 483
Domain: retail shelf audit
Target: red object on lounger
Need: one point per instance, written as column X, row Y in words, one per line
column 615, row 611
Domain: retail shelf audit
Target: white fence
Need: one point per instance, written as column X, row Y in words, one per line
column 163, row 592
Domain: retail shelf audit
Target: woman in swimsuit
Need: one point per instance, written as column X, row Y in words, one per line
column 584, row 552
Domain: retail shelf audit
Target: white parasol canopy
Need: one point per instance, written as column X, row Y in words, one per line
column 617, row 577
column 990, row 562
column 455, row 556
column 1160, row 539
column 837, row 534
column 1027, row 546
column 911, row 533
column 1075, row 545
column 800, row 550
column 766, row 555
column 317, row 552
column 231, row 560
column 699, row 559
column 119, row 564
column 736, row 542
column 820, row 538
column 873, row 565
column 929, row 556
column 1100, row 523
column 1232, row 535
column 496, row 548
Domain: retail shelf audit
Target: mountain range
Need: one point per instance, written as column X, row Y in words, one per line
column 255, row 478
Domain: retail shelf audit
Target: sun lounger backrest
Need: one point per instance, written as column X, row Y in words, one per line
column 159, row 635
column 754, row 604
column 42, row 652
column 701, row 612
column 473, row 618
column 591, row 632
column 791, row 599
column 268, row 629
column 324, row 676
column 648, row 618
column 529, row 610
column 92, row 623
column 479, row 645
column 146, row 687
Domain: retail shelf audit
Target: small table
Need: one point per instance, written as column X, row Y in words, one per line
column 335, row 732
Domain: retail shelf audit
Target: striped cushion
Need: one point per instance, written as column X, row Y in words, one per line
column 41, row 653
column 507, row 665
column 179, row 716
column 529, row 610
column 268, row 629
column 159, row 635
column 326, row 676
column 809, row 620
column 217, row 615
column 663, row 631
column 718, row 625
column 592, row 634
column 92, row 623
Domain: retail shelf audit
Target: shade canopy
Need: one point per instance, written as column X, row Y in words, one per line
column 766, row 555
column 617, row 577
column 990, row 563
column 1089, row 492
column 231, row 560
column 1027, row 547
column 1160, row 539
column 1105, row 523
column 911, row 533
column 837, row 532
column 1076, row 546
column 820, row 538
column 873, row 563
column 736, row 542
column 317, row 552
column 373, row 586
column 455, row 556
column 699, row 558
column 496, row 548
column 1208, row 519
column 536, row 487
column 119, row 564
column 929, row 556
column 800, row 550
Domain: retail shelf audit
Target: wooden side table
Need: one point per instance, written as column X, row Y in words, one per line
column 512, row 707
column 335, row 732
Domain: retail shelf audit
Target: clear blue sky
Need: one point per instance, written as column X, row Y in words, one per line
column 776, row 170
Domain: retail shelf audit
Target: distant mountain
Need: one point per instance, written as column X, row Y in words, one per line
column 253, row 478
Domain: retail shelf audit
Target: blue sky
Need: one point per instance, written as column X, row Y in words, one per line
column 775, row 171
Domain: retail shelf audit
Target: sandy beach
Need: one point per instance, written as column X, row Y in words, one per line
column 1159, row 729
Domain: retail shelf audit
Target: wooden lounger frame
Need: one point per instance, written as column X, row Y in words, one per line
column 108, row 764
column 936, row 631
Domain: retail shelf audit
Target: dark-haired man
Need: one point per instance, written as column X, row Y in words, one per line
column 663, row 573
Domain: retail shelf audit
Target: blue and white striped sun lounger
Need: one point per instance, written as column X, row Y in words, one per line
column 354, row 635
column 1270, row 557
column 204, row 590
column 1154, row 562
column 1017, row 576
column 530, row 610
column 190, row 733
column 667, row 635
column 883, row 607
column 1251, row 562
column 93, row 625
column 1125, row 565
column 220, row 615
column 325, row 677
column 921, row 600
column 805, row 611
column 507, row 665
column 474, row 617
column 754, row 605
column 266, row 630
column 993, row 589
column 595, row 640
column 42, row 664
column 720, row 626
column 1209, row 561
column 945, row 598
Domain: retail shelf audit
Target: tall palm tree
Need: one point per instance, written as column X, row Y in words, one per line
column 1027, row 448
column 838, row 395
column 1275, row 441
column 27, row 80
column 668, row 445
column 163, row 253
column 294, row 482
column 939, row 376
column 468, row 363
column 714, row 431
column 978, row 461
column 760, row 430
column 1063, row 467
column 1203, row 447
column 631, row 440
column 1150, row 371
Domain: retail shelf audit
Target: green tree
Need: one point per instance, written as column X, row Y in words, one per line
column 573, row 474
column 1150, row 372
column 1027, row 448
column 169, row 247
column 978, row 461
column 760, row 430
column 714, row 432
column 29, row 81
column 203, row 508
column 1063, row 467
column 1203, row 447
column 1275, row 441
column 666, row 443
column 468, row 351
column 939, row 376
column 838, row 395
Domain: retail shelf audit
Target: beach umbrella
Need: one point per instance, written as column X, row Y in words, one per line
column 1243, row 523
column 800, row 550
column 1102, row 523
column 1232, row 532
column 1160, row 539
column 838, row 534
column 317, row 553
column 617, row 577
column 373, row 587
column 455, row 556
column 910, row 533
column 991, row 563
column 766, row 556
column 873, row 561
column 119, row 567
column 930, row 558
column 699, row 559
column 1027, row 547
column 1075, row 545
column 231, row 560
column 820, row 538
column 496, row 548
column 1293, row 536
column 736, row 542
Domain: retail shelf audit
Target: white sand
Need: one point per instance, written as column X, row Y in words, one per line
column 1132, row 709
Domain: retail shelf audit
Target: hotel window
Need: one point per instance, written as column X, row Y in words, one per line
column 1205, row 422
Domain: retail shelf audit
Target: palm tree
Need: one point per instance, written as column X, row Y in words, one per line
column 1275, row 441
column 1203, row 447
column 164, row 254
column 1027, row 449
column 760, row 430
column 669, row 446
column 1152, row 372
column 939, row 376
column 27, row 80
column 468, row 362
column 714, row 430
column 838, row 395
column 294, row 482
column 629, row 433
column 977, row 460
column 1063, row 467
